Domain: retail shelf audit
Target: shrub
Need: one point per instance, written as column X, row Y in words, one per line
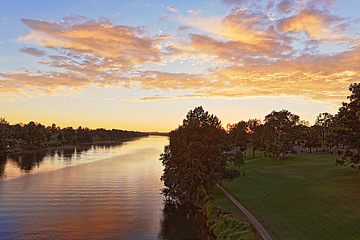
column 225, row 226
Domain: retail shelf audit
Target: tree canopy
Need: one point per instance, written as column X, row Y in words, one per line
column 279, row 136
column 194, row 160
column 347, row 129
column 33, row 135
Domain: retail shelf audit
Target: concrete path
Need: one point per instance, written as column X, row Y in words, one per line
column 253, row 220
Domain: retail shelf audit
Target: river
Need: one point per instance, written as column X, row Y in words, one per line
column 107, row 191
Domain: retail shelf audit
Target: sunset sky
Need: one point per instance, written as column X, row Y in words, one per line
column 142, row 65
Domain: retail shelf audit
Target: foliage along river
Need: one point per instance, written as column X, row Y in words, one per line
column 108, row 191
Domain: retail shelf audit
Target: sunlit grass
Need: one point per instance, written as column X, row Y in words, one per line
column 306, row 197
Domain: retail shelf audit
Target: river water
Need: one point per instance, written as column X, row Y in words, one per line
column 108, row 191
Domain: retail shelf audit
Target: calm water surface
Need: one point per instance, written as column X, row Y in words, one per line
column 96, row 192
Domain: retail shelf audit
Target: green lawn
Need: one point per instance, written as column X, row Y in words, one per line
column 306, row 197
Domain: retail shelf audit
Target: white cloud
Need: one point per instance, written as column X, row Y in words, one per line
column 172, row 9
column 194, row 11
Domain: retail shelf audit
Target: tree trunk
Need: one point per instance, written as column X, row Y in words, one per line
column 253, row 152
column 278, row 158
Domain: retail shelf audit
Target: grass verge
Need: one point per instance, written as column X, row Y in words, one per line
column 306, row 197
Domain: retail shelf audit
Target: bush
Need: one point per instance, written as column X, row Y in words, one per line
column 228, row 225
column 225, row 226
column 213, row 213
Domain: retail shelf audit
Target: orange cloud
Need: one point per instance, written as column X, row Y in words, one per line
column 83, row 53
column 239, row 26
column 238, row 36
column 320, row 78
column 169, row 81
column 236, row 51
column 324, row 78
column 123, row 44
column 317, row 24
column 36, row 84
column 245, row 53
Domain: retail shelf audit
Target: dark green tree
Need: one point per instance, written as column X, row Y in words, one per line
column 194, row 160
column 239, row 135
column 238, row 159
column 254, row 134
column 34, row 135
column 310, row 136
column 323, row 123
column 68, row 136
column 4, row 125
column 279, row 134
column 347, row 129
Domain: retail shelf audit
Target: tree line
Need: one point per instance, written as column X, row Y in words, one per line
column 33, row 135
column 200, row 149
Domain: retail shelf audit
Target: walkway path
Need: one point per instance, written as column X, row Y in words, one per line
column 253, row 220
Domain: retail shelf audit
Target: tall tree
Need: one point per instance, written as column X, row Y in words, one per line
column 279, row 133
column 193, row 161
column 347, row 129
column 323, row 121
column 254, row 132
column 239, row 135
column 311, row 136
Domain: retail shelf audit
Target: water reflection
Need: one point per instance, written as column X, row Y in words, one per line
column 183, row 222
column 3, row 159
column 118, row 197
column 19, row 164
column 28, row 160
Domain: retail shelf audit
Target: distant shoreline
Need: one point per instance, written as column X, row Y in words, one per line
column 38, row 148
column 14, row 151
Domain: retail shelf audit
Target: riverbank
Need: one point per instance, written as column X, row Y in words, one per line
column 306, row 197
column 64, row 146
column 35, row 136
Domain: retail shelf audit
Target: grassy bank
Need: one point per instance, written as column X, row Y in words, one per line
column 306, row 197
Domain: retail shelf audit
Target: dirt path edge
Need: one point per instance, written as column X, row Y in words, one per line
column 253, row 220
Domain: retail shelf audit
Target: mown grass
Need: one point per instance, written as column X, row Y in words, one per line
column 306, row 197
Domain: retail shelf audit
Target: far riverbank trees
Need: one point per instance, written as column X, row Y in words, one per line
column 33, row 135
